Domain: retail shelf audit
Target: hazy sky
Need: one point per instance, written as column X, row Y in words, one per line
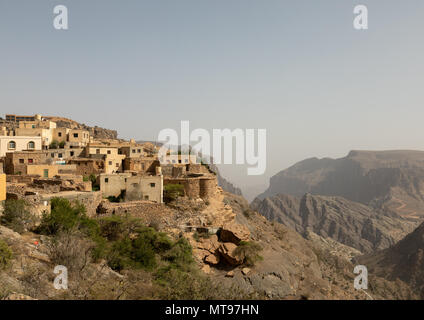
column 296, row 68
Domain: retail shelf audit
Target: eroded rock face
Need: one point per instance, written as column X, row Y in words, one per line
column 392, row 179
column 348, row 222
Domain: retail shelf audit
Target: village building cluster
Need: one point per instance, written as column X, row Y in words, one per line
column 40, row 160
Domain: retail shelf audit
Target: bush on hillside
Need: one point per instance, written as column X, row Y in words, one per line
column 248, row 251
column 16, row 216
column 6, row 255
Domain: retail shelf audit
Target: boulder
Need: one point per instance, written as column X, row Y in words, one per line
column 226, row 250
column 206, row 269
column 245, row 271
column 230, row 274
column 212, row 259
column 233, row 232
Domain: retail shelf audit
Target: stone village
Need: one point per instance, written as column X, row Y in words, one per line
column 42, row 158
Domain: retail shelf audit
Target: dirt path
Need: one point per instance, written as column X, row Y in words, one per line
column 412, row 214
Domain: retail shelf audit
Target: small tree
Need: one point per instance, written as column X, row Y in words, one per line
column 16, row 215
column 67, row 216
column 6, row 255
column 53, row 144
column 173, row 191
column 248, row 251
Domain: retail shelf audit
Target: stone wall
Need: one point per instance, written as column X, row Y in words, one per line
column 145, row 210
column 201, row 187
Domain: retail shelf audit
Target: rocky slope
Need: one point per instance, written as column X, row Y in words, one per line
column 403, row 261
column 96, row 132
column 392, row 179
column 297, row 268
column 345, row 221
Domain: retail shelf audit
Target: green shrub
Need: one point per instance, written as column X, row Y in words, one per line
column 117, row 227
column 67, row 216
column 181, row 254
column 6, row 255
column 62, row 144
column 54, row 144
column 248, row 251
column 16, row 215
column 173, row 191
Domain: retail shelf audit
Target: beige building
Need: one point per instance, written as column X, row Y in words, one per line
column 109, row 153
column 133, row 151
column 61, row 134
column 16, row 162
column 45, row 134
column 2, row 186
column 73, row 137
column 178, row 159
column 60, row 156
column 132, row 188
column 50, row 171
column 19, row 143
column 78, row 137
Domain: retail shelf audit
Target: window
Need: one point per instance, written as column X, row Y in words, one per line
column 179, row 161
column 60, row 155
column 133, row 150
column 75, row 135
column 186, row 160
column 52, row 155
column 139, row 150
column 153, row 185
column 59, row 134
column 46, row 173
column 72, row 153
column 110, row 163
column 117, row 165
column 21, row 161
column 12, row 145
column 146, row 197
column 30, row 161
column 31, row 145
column 109, row 152
column 98, row 151
column 106, row 180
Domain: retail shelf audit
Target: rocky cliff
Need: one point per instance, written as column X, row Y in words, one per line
column 345, row 221
column 392, row 179
column 403, row 261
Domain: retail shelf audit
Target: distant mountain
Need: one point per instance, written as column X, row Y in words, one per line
column 404, row 261
column 224, row 183
column 350, row 223
column 392, row 179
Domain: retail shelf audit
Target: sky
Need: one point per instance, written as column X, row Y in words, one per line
column 295, row 68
